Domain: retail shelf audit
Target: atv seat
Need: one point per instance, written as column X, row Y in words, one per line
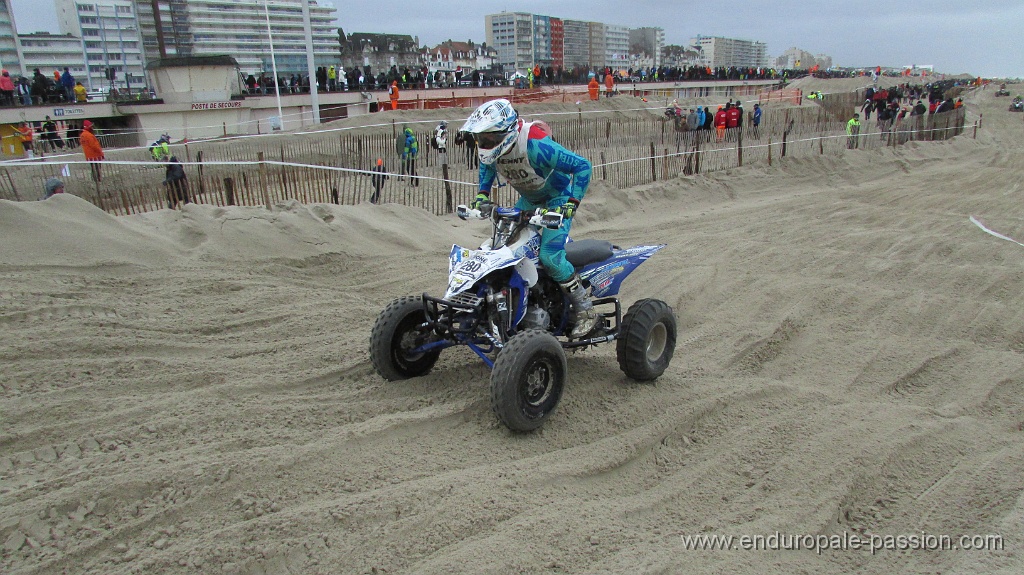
column 583, row 252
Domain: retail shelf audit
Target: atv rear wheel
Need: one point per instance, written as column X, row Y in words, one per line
column 527, row 380
column 647, row 339
column 400, row 328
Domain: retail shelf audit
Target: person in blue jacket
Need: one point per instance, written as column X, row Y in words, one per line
column 547, row 176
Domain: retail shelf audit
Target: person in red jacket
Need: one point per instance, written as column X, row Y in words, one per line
column 732, row 116
column 593, row 88
column 92, row 149
column 720, row 122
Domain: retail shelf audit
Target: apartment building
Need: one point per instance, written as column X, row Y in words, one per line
column 50, row 52
column 108, row 33
column 717, row 51
column 523, row 40
column 238, row 28
column 9, row 57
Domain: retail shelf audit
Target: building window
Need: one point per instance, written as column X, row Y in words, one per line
column 85, row 7
column 124, row 9
column 87, row 20
column 90, row 32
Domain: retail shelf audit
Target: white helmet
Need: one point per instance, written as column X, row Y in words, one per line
column 494, row 126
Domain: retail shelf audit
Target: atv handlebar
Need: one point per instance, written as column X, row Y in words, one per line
column 539, row 218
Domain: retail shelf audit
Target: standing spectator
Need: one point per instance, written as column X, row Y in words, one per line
column 176, row 183
column 72, row 133
column 6, row 89
column 440, row 141
column 377, row 178
column 332, row 78
column 24, row 90
column 693, row 120
column 67, row 82
column 393, row 94
column 25, row 133
column 92, row 149
column 866, row 108
column 466, row 140
column 409, row 154
column 732, row 116
column 609, row 84
column 756, row 117
column 852, row 132
column 52, row 187
column 39, row 87
column 81, row 96
column 919, row 109
column 50, row 135
column 594, row 88
column 721, row 122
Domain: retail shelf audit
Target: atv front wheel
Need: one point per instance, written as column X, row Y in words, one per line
column 647, row 339
column 399, row 329
column 527, row 380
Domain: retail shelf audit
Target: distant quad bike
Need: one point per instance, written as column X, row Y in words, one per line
column 1017, row 105
column 502, row 305
column 1002, row 92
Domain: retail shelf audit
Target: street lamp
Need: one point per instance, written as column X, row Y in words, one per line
column 273, row 65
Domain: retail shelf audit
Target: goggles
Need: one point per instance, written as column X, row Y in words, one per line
column 489, row 140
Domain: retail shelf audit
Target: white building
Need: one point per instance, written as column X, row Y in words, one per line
column 9, row 58
column 50, row 52
column 616, row 47
column 238, row 28
column 110, row 40
column 719, row 52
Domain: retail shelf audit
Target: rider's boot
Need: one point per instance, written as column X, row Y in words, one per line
column 584, row 316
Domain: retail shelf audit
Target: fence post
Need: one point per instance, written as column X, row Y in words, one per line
column 739, row 147
column 447, row 185
column 265, row 184
column 604, row 167
column 224, row 127
column 607, row 131
column 975, row 132
column 696, row 156
column 199, row 168
column 654, row 165
column 769, row 151
column 229, row 191
column 11, row 181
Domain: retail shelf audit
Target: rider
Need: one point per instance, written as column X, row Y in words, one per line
column 547, row 176
column 159, row 149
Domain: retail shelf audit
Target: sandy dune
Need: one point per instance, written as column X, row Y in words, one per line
column 190, row 391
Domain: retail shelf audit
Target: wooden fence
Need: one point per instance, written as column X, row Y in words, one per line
column 333, row 166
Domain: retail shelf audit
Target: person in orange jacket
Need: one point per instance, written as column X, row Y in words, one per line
column 609, row 84
column 393, row 94
column 594, row 88
column 92, row 149
column 25, row 133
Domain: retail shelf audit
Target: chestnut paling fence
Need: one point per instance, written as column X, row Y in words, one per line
column 333, row 166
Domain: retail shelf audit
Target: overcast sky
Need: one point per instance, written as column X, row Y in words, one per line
column 979, row 37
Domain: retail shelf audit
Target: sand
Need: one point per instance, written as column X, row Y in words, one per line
column 190, row 391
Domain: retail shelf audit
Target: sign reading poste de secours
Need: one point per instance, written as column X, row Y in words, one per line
column 216, row 105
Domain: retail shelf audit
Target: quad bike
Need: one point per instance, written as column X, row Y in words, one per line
column 1017, row 105
column 1002, row 92
column 503, row 305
